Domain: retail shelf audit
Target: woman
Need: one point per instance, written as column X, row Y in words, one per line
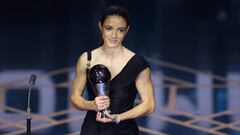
column 130, row 75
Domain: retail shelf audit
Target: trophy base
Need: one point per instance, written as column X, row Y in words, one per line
column 104, row 113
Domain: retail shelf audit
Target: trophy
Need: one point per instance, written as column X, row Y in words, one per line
column 99, row 77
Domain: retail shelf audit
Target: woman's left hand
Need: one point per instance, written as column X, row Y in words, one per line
column 109, row 118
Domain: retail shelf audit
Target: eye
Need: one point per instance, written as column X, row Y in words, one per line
column 108, row 28
column 121, row 30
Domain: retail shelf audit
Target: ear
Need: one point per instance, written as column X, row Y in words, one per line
column 100, row 25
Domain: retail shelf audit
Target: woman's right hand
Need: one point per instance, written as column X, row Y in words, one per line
column 101, row 102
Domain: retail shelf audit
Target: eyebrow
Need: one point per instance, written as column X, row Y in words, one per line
column 118, row 27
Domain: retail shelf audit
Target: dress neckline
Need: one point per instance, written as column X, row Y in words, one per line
column 123, row 68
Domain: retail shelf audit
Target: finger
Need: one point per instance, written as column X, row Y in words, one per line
column 100, row 104
column 102, row 97
column 102, row 107
column 98, row 99
column 105, row 120
column 106, row 106
column 105, row 97
column 102, row 101
column 111, row 116
column 107, row 102
column 98, row 117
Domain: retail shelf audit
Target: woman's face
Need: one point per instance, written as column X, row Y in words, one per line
column 113, row 29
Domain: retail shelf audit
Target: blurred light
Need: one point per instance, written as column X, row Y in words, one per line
column 222, row 15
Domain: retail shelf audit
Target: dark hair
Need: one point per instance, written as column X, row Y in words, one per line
column 114, row 10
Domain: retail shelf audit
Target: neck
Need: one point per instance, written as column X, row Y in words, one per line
column 112, row 52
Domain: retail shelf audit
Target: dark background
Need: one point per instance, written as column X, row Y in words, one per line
column 48, row 35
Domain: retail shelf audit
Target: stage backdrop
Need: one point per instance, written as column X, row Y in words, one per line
column 192, row 47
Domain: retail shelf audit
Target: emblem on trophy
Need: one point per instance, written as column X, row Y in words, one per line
column 99, row 77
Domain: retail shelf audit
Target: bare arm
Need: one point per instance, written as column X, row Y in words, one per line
column 145, row 89
column 78, row 86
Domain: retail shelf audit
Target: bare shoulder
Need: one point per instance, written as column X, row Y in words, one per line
column 96, row 51
column 82, row 61
column 128, row 52
column 95, row 54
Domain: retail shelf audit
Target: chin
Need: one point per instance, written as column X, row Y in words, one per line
column 112, row 45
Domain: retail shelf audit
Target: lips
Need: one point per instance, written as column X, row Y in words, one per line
column 113, row 40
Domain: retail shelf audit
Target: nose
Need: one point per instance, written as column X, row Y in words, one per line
column 114, row 34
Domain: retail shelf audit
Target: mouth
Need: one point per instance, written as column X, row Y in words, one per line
column 113, row 40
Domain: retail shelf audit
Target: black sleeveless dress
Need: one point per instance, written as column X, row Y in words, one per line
column 122, row 95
